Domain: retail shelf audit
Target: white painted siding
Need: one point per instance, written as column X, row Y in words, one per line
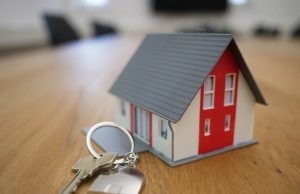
column 186, row 131
column 244, row 112
column 123, row 120
column 160, row 144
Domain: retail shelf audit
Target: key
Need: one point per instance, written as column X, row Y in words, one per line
column 87, row 167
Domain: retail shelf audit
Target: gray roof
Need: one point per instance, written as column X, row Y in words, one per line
column 167, row 71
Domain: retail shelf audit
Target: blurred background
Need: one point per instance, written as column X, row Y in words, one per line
column 31, row 24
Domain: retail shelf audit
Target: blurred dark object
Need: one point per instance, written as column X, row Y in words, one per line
column 189, row 5
column 295, row 33
column 102, row 29
column 59, row 29
column 266, row 31
column 208, row 29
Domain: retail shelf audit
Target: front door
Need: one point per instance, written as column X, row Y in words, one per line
column 141, row 119
column 218, row 106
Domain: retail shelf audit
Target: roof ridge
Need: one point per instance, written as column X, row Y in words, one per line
column 191, row 33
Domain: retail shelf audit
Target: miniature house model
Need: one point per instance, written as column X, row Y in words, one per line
column 188, row 96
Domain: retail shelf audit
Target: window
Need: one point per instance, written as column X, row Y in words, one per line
column 229, row 89
column 227, row 123
column 209, row 87
column 207, row 127
column 123, row 109
column 163, row 129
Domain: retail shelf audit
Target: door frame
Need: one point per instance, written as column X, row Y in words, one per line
column 134, row 122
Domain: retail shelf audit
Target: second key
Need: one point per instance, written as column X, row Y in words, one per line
column 87, row 167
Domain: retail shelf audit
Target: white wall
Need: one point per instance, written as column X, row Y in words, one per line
column 244, row 112
column 121, row 119
column 164, row 146
column 186, row 131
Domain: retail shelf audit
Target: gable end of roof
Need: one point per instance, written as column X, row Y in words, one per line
column 246, row 73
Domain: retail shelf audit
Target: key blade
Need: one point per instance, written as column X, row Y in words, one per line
column 73, row 184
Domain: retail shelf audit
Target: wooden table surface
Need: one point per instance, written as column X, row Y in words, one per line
column 47, row 96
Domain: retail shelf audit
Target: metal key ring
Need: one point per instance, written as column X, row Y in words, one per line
column 105, row 124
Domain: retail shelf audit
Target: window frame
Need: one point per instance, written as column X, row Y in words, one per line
column 162, row 123
column 229, row 121
column 123, row 108
column 210, row 92
column 230, row 89
column 207, row 133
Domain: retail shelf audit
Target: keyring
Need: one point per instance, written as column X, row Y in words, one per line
column 105, row 124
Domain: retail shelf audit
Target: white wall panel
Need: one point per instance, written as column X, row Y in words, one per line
column 244, row 112
column 186, row 130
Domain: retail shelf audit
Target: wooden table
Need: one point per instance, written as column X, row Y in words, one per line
column 47, row 96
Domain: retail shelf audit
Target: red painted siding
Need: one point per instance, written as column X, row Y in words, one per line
column 218, row 137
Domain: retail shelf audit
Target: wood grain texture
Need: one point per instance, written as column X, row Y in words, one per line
column 47, row 96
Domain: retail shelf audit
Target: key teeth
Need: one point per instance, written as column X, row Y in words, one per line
column 74, row 189
column 85, row 176
column 78, row 183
